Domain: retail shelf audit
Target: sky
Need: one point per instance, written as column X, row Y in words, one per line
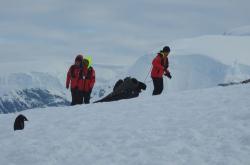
column 111, row 31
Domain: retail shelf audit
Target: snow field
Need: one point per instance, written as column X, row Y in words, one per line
column 209, row 126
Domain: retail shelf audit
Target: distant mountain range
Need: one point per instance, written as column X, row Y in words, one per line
column 30, row 98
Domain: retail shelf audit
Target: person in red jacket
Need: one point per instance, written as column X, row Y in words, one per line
column 86, row 81
column 73, row 78
column 160, row 68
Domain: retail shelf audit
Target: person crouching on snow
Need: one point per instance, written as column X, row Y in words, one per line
column 72, row 80
column 160, row 68
column 86, row 80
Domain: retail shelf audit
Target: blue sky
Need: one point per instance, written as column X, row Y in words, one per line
column 111, row 31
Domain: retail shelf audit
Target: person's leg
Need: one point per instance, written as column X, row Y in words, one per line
column 161, row 85
column 87, row 97
column 158, row 86
column 74, row 96
column 80, row 97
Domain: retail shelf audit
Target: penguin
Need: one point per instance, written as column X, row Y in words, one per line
column 19, row 122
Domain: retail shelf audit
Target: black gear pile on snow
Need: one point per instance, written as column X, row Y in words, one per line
column 19, row 122
column 125, row 89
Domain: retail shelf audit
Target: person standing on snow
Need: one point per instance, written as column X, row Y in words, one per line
column 73, row 78
column 160, row 68
column 86, row 80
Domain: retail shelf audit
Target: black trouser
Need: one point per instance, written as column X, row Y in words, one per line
column 77, row 97
column 85, row 97
column 158, row 86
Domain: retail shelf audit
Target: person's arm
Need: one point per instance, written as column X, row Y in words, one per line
column 68, row 77
column 167, row 73
column 166, row 65
column 92, row 79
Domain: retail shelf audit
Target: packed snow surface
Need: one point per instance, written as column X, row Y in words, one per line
column 196, row 127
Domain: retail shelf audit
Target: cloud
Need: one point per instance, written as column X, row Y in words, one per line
column 109, row 29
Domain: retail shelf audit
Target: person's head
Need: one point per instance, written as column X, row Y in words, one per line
column 166, row 51
column 85, row 62
column 88, row 61
column 78, row 60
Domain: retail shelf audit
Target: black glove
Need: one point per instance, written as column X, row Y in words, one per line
column 167, row 73
column 169, row 76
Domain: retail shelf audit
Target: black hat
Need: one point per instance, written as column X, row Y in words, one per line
column 166, row 49
column 79, row 58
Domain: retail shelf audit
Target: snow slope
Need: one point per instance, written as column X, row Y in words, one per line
column 240, row 31
column 199, row 127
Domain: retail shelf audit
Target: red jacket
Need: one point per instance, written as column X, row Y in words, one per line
column 87, row 79
column 160, row 65
column 73, row 77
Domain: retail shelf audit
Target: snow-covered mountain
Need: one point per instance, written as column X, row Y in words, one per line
column 201, row 62
column 195, row 63
column 19, row 100
column 20, row 82
column 192, row 71
column 240, row 31
column 198, row 127
column 225, row 49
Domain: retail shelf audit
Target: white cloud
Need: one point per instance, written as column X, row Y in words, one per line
column 110, row 28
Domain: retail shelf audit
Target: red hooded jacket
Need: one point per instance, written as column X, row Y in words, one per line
column 87, row 79
column 160, row 66
column 73, row 77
